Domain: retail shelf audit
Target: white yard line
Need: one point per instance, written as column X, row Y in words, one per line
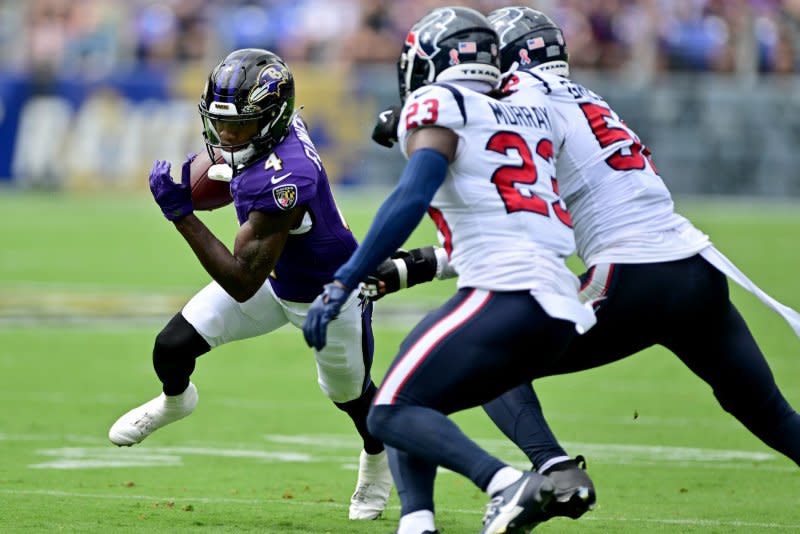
column 695, row 522
column 94, row 452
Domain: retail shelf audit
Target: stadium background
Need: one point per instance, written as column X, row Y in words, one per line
column 92, row 91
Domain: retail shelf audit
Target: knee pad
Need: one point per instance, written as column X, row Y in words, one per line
column 174, row 353
column 376, row 420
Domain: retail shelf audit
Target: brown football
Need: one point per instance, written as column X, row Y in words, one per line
column 208, row 194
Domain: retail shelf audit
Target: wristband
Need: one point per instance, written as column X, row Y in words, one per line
column 402, row 273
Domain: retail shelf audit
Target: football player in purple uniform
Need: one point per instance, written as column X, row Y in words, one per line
column 652, row 277
column 290, row 241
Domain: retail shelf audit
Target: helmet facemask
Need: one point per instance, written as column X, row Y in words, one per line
column 241, row 137
column 413, row 71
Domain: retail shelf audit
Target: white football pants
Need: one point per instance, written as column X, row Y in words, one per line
column 220, row 319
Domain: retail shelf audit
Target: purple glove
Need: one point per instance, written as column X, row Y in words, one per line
column 323, row 310
column 175, row 200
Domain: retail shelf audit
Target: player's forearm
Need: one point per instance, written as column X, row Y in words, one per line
column 233, row 274
column 394, row 222
column 421, row 265
column 397, row 217
column 407, row 269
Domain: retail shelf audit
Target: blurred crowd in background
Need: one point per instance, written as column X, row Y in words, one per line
column 712, row 86
column 89, row 38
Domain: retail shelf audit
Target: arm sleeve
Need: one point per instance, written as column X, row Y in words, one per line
column 398, row 216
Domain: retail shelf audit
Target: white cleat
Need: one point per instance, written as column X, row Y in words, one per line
column 143, row 420
column 373, row 487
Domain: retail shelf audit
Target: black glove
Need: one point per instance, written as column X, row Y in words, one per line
column 385, row 131
column 404, row 269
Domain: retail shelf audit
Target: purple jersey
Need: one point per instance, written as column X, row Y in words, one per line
column 291, row 176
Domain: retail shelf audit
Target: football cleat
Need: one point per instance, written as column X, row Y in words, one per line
column 143, row 420
column 373, row 487
column 520, row 506
column 574, row 490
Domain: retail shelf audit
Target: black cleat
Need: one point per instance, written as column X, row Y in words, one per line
column 574, row 490
column 519, row 507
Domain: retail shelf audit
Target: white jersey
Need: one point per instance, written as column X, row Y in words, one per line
column 497, row 213
column 621, row 209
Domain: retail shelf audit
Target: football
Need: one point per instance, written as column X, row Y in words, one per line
column 208, row 194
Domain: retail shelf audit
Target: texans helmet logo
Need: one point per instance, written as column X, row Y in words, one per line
column 424, row 38
column 505, row 21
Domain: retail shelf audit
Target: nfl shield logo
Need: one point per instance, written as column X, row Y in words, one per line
column 285, row 196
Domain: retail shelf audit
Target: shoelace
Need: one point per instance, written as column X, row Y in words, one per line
column 492, row 508
column 361, row 491
column 144, row 422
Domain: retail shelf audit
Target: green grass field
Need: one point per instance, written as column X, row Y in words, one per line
column 86, row 282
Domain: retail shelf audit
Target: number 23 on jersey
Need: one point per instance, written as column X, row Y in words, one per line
column 507, row 176
column 425, row 112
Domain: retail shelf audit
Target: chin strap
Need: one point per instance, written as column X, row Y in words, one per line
column 231, row 158
column 220, row 172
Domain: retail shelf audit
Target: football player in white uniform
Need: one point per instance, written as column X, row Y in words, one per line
column 652, row 278
column 483, row 169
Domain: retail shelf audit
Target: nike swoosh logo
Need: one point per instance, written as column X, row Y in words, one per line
column 384, row 115
column 277, row 179
column 512, row 504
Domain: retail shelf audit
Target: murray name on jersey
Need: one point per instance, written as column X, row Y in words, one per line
column 530, row 116
column 498, row 204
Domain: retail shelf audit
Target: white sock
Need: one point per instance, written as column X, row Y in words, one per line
column 375, row 459
column 416, row 522
column 502, row 479
column 551, row 462
column 176, row 402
